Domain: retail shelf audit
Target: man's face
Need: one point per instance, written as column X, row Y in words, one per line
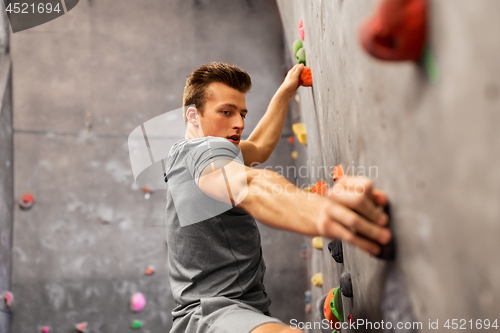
column 224, row 112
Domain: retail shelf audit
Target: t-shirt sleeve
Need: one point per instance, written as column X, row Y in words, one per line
column 211, row 150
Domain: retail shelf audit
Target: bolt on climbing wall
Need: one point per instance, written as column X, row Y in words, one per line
column 406, row 93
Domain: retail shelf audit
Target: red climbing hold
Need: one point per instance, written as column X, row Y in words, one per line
column 338, row 172
column 150, row 270
column 396, row 31
column 305, row 78
column 320, row 188
column 8, row 298
column 291, row 139
column 349, row 317
column 27, row 201
column 46, row 329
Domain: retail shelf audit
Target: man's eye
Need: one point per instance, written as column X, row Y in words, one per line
column 243, row 116
column 225, row 112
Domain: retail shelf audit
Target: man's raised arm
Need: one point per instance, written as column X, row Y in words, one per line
column 264, row 138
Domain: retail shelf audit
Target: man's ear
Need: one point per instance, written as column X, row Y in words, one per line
column 192, row 116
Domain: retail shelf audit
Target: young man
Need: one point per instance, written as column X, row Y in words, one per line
column 215, row 258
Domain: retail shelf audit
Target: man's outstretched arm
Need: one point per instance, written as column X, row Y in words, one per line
column 264, row 138
column 352, row 211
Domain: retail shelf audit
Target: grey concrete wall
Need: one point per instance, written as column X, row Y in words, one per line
column 435, row 148
column 80, row 253
column 6, row 169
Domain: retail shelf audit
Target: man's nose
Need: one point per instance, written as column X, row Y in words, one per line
column 239, row 123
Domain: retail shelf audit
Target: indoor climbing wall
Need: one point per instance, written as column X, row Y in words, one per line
column 82, row 83
column 421, row 122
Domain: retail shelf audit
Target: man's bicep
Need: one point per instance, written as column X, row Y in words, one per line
column 251, row 153
column 225, row 181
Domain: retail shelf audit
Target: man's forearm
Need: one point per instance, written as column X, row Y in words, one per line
column 278, row 203
column 267, row 133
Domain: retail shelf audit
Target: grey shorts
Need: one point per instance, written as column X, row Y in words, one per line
column 221, row 315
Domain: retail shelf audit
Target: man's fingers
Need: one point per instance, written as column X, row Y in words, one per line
column 357, row 223
column 358, row 199
column 341, row 232
column 380, row 198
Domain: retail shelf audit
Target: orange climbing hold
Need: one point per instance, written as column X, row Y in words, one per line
column 327, row 311
column 305, row 78
column 320, row 188
column 338, row 172
column 397, row 30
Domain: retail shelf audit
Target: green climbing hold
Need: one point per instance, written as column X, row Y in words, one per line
column 430, row 65
column 136, row 324
column 336, row 304
column 301, row 56
column 297, row 45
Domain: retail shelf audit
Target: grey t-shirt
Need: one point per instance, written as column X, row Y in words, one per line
column 213, row 249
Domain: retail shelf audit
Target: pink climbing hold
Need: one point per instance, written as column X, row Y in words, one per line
column 301, row 29
column 308, row 308
column 8, row 298
column 46, row 329
column 82, row 327
column 137, row 302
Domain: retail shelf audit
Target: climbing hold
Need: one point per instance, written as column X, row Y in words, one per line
column 136, row 324
column 317, row 280
column 8, row 298
column 300, row 132
column 346, row 285
column 45, row 329
column 303, row 254
column 297, row 98
column 349, row 317
column 81, row 327
column 308, row 189
column 27, row 201
column 307, row 297
column 301, row 56
column 431, row 66
column 291, row 139
column 305, row 78
column 301, row 29
column 320, row 188
column 308, row 308
column 297, row 45
column 336, row 304
column 325, row 313
column 396, row 31
column 318, row 243
column 338, row 172
column 327, row 309
column 294, row 155
column 137, row 302
column 388, row 251
column 145, row 189
column 335, row 248
column 150, row 270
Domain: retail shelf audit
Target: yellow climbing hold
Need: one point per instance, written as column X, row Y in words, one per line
column 318, row 243
column 300, row 131
column 308, row 189
column 295, row 155
column 317, row 279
